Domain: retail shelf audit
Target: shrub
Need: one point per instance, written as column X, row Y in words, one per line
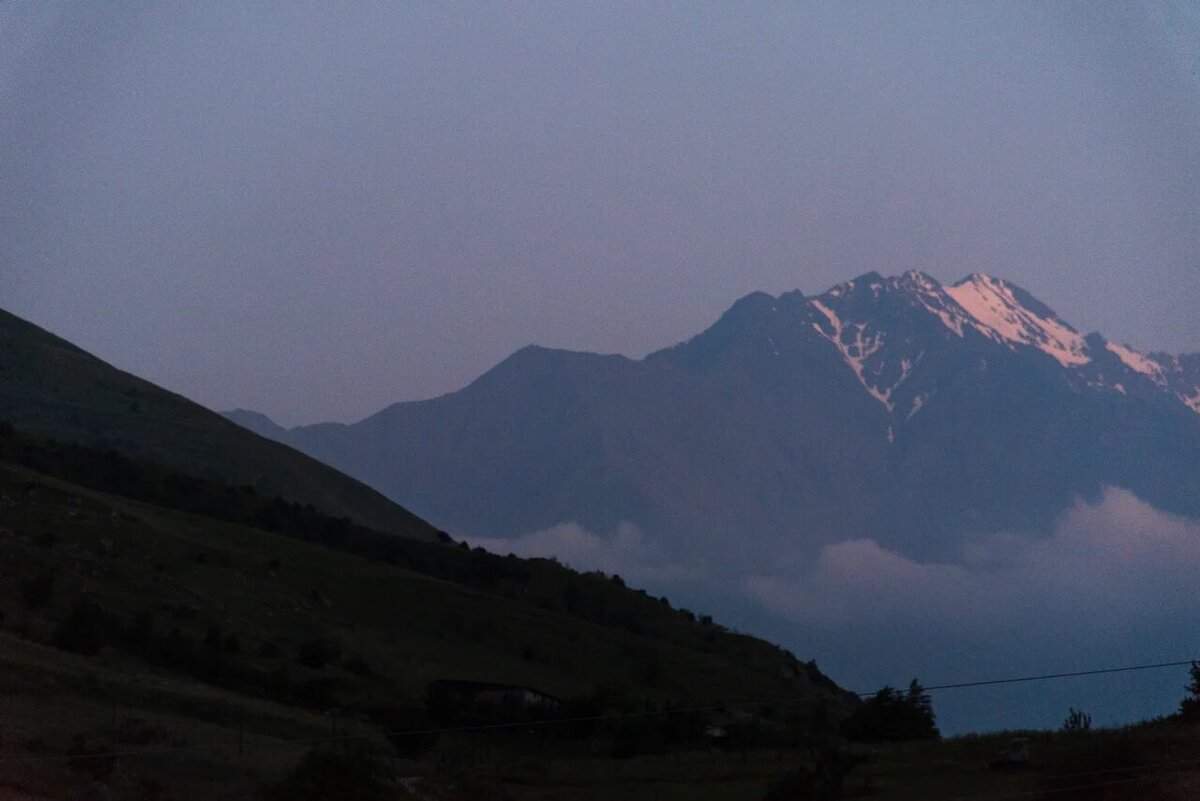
column 38, row 592
column 409, row 728
column 316, row 654
column 1077, row 722
column 792, row 786
column 139, row 633
column 355, row 773
column 358, row 666
column 824, row 781
column 85, row 629
column 317, row 692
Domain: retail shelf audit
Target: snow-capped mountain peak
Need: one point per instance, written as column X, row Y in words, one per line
column 904, row 338
column 883, row 327
column 1007, row 314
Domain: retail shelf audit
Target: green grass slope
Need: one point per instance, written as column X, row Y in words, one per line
column 53, row 388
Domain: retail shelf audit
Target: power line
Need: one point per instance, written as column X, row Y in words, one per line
column 1045, row 676
column 784, row 701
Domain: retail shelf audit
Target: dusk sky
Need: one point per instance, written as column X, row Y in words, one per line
column 315, row 211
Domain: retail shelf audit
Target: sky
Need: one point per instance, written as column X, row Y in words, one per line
column 317, row 210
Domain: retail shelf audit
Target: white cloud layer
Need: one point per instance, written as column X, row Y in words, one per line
column 626, row 553
column 1114, row 584
column 1109, row 566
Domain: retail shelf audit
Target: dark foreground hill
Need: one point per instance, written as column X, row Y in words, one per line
column 899, row 409
column 213, row 618
column 50, row 387
column 150, row 653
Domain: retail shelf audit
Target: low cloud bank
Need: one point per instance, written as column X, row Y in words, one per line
column 1107, row 567
column 1114, row 584
column 627, row 553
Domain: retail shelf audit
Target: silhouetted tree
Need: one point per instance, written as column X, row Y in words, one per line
column 1189, row 707
column 892, row 715
column 1077, row 721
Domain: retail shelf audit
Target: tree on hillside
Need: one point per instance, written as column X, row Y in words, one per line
column 920, row 700
column 891, row 715
column 1189, row 707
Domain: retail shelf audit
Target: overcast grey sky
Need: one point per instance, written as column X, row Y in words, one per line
column 318, row 210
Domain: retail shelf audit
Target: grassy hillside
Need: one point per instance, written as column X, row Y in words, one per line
column 51, row 387
column 130, row 625
column 177, row 655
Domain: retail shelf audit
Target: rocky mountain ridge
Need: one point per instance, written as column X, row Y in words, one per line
column 896, row 408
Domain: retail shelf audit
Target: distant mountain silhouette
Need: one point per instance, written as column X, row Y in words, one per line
column 51, row 388
column 892, row 408
column 257, row 422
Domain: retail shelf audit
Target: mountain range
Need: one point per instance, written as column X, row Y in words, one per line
column 895, row 408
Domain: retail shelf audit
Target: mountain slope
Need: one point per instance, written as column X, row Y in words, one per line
column 183, row 630
column 892, row 408
column 50, row 387
column 257, row 422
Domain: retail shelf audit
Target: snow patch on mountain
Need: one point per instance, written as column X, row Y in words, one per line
column 998, row 314
column 842, row 289
column 1137, row 362
column 917, row 403
column 856, row 352
column 1192, row 401
column 951, row 320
